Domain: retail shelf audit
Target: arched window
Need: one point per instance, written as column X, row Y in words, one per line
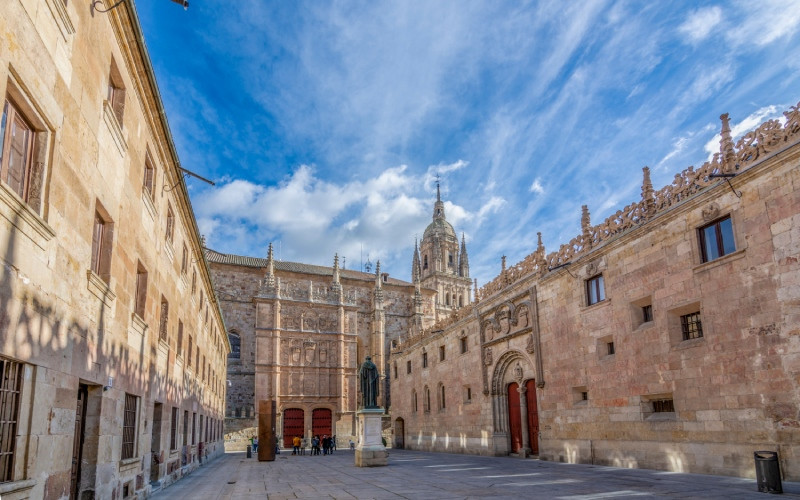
column 414, row 400
column 447, row 298
column 424, row 262
column 442, row 404
column 426, row 404
column 236, row 344
column 460, row 301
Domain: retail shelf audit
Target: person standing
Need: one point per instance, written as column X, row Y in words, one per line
column 303, row 445
column 333, row 443
column 255, row 444
column 296, row 445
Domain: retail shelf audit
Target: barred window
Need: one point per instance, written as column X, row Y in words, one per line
column 663, row 406
column 173, row 430
column 129, row 426
column 10, row 386
column 691, row 326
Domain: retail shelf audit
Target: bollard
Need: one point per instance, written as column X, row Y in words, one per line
column 768, row 472
column 249, row 451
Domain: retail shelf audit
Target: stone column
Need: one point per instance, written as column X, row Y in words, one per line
column 523, row 409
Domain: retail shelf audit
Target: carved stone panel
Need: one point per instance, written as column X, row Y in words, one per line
column 264, row 315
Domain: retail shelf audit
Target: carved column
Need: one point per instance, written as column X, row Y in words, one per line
column 523, row 409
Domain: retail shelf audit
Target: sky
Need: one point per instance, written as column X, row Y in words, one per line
column 325, row 123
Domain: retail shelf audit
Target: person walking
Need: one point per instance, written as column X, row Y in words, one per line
column 315, row 445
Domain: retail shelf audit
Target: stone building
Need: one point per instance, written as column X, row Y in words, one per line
column 112, row 351
column 298, row 333
column 664, row 337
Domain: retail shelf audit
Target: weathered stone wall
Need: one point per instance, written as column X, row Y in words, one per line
column 71, row 327
column 734, row 390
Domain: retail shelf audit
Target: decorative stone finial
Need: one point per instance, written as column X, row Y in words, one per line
column 203, row 241
column 336, row 268
column 378, row 284
column 541, row 262
column 269, row 278
column 586, row 226
column 726, row 151
column 648, row 196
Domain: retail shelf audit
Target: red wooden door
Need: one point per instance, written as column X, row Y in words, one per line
column 293, row 423
column 514, row 420
column 533, row 417
column 321, row 422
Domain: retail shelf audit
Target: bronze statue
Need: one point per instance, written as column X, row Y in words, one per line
column 369, row 378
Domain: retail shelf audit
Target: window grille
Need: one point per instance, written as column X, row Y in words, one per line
column 173, row 430
column 663, row 406
column 691, row 326
column 10, row 388
column 129, row 427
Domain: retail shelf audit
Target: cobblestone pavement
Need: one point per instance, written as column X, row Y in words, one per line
column 412, row 474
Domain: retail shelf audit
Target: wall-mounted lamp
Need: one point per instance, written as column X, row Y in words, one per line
column 564, row 265
column 95, row 8
column 727, row 178
column 110, row 384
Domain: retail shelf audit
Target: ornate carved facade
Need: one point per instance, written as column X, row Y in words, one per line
column 303, row 331
column 663, row 337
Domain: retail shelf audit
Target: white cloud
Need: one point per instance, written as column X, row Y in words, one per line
column 536, row 187
column 764, row 22
column 700, row 23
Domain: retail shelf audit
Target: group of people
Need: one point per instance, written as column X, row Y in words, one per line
column 327, row 444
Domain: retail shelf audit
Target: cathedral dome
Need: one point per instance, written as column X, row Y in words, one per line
column 440, row 227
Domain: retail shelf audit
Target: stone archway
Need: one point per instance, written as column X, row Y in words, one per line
column 511, row 404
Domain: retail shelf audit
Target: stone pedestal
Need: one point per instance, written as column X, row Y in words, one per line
column 370, row 451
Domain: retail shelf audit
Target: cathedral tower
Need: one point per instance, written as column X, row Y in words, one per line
column 441, row 265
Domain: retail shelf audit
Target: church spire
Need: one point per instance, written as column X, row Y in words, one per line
column 416, row 270
column 438, row 207
column 463, row 259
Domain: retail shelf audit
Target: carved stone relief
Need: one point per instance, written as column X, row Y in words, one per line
column 710, row 212
column 487, row 356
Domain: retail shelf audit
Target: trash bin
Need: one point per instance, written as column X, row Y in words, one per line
column 249, row 451
column 768, row 472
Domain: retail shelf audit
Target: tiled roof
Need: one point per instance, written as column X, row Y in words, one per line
column 215, row 257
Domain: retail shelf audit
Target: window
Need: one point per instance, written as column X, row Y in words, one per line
column 101, row 244
column 414, row 400
column 424, row 359
column 441, row 353
column 173, row 430
column 185, row 427
column 197, row 362
column 595, row 290
column 129, row 427
column 116, row 92
column 180, row 338
column 194, row 281
column 200, row 430
column 716, row 239
column 184, row 260
column 149, row 177
column 464, row 344
column 691, row 327
column 467, row 394
column 610, row 348
column 647, row 313
column 194, row 427
column 460, row 301
column 10, row 388
column 189, row 352
column 395, row 369
column 163, row 322
column 442, row 404
column 425, row 262
column 449, row 259
column 408, row 366
column 140, row 300
column 663, row 406
column 236, row 347
column 427, row 402
column 16, row 150
column 170, row 233
column 580, row 395
column 447, row 298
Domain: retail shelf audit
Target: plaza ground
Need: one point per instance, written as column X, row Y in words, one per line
column 412, row 474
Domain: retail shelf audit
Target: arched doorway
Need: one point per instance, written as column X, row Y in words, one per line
column 514, row 417
column 399, row 433
column 533, row 416
column 292, row 425
column 321, row 422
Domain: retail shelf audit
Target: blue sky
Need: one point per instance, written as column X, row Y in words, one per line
column 324, row 123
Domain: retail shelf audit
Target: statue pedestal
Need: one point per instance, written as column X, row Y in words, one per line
column 370, row 451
